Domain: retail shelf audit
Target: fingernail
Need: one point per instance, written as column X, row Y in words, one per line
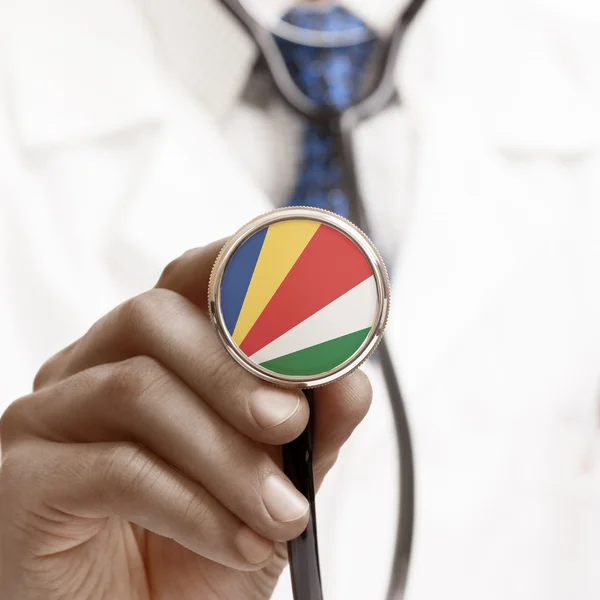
column 283, row 501
column 254, row 548
column 271, row 408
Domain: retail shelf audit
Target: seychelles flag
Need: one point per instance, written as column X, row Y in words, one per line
column 299, row 298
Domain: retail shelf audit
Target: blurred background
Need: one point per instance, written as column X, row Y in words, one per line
column 133, row 130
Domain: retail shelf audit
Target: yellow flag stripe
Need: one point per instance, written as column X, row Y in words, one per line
column 284, row 243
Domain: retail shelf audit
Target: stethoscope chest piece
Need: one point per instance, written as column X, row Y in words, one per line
column 299, row 297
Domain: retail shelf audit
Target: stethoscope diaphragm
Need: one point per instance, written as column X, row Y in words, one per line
column 299, row 297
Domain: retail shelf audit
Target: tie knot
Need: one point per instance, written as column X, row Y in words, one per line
column 329, row 75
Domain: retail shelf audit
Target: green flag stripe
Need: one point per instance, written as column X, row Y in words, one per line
column 318, row 359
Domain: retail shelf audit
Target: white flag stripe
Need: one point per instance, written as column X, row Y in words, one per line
column 353, row 311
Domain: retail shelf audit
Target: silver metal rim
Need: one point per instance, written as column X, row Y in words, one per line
column 338, row 223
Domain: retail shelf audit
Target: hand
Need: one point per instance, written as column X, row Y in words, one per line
column 146, row 463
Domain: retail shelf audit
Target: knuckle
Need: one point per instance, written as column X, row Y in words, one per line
column 50, row 370
column 197, row 510
column 142, row 370
column 132, row 379
column 8, row 468
column 174, row 271
column 13, row 420
column 10, row 472
column 124, row 472
column 223, row 371
column 44, row 374
column 142, row 312
column 169, row 271
column 18, row 466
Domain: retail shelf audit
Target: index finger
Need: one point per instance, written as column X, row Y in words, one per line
column 188, row 275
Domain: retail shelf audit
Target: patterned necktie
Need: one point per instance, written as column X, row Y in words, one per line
column 330, row 77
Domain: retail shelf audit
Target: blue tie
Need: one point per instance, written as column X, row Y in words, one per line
column 330, row 77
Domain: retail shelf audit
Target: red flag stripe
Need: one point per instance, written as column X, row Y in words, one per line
column 330, row 265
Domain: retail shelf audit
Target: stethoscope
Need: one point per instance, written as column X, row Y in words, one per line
column 303, row 552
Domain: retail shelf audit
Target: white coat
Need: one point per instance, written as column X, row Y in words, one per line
column 130, row 131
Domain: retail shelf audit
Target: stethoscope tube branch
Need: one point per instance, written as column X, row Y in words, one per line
column 381, row 94
column 276, row 67
column 406, row 514
column 384, row 91
column 303, row 553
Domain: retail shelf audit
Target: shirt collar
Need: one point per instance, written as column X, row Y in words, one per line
column 81, row 69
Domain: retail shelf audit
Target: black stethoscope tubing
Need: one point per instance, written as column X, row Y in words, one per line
column 303, row 552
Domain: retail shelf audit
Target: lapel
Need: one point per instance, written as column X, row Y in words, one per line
column 495, row 182
column 191, row 193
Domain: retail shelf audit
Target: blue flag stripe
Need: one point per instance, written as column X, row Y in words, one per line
column 237, row 277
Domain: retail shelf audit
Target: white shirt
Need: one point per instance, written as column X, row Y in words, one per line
column 128, row 134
